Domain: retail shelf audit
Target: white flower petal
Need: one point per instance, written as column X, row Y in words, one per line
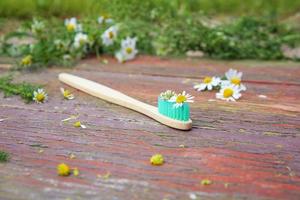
column 209, row 87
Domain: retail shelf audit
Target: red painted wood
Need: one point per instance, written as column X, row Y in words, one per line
column 249, row 149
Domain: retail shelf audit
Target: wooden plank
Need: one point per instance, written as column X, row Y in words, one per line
column 249, row 149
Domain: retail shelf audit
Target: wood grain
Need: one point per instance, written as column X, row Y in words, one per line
column 249, row 149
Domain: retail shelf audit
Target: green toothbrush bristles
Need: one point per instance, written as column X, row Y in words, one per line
column 167, row 108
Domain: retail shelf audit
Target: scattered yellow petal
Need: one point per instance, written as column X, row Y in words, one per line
column 75, row 172
column 41, row 150
column 72, row 156
column 63, row 169
column 104, row 61
column 206, row 182
column 106, row 176
column 157, row 159
column 182, row 146
column 226, row 185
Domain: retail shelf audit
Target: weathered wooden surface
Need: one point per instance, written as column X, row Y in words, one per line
column 249, row 149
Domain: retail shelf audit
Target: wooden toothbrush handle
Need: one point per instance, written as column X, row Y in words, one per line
column 116, row 97
column 105, row 93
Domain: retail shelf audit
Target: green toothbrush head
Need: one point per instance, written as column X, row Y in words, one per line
column 174, row 105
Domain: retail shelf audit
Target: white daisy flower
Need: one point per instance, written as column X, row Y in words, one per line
column 109, row 36
column 67, row 57
column 103, row 19
column 234, row 77
column 40, row 96
column 167, row 95
column 80, row 40
column 37, row 26
column 120, row 56
column 128, row 48
column 72, row 25
column 181, row 98
column 208, row 83
column 229, row 93
column 67, row 94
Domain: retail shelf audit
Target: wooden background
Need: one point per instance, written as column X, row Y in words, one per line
column 249, row 149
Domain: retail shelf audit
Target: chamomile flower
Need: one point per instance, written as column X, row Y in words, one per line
column 120, row 57
column 72, row 25
column 208, row 83
column 78, row 124
column 26, row 61
column 67, row 94
column 181, row 98
column 128, row 48
column 103, row 19
column 167, row 95
column 234, row 77
column 80, row 40
column 40, row 96
column 37, row 26
column 109, row 36
column 61, row 45
column 229, row 93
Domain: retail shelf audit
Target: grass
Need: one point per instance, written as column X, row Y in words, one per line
column 144, row 9
column 4, row 156
column 25, row 90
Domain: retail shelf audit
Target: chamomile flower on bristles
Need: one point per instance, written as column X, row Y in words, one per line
column 229, row 93
column 208, row 83
column 67, row 94
column 109, row 35
column 234, row 77
column 181, row 98
column 40, row 96
column 80, row 40
column 167, row 95
column 72, row 25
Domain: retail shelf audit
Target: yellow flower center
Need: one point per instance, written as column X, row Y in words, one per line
column 63, row 169
column 129, row 50
column 71, row 27
column 207, row 79
column 228, row 92
column 111, row 35
column 180, row 99
column 67, row 93
column 77, row 124
column 235, row 81
column 157, row 159
column 40, row 97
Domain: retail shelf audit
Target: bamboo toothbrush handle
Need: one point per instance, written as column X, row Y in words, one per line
column 116, row 97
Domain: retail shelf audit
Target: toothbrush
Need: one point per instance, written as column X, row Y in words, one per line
column 166, row 114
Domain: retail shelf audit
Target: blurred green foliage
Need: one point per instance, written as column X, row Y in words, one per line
column 145, row 9
column 163, row 27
